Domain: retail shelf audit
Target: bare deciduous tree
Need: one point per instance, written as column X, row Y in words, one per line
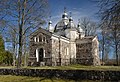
column 26, row 16
column 110, row 13
column 89, row 26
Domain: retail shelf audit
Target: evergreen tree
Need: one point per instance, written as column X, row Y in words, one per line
column 5, row 56
column 2, row 50
column 1, row 44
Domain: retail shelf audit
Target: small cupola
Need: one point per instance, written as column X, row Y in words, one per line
column 65, row 15
column 80, row 30
column 71, row 24
column 50, row 27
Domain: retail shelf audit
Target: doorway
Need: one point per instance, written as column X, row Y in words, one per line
column 41, row 54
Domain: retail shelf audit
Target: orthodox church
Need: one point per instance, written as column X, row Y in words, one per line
column 63, row 44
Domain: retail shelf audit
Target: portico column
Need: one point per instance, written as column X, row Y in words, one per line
column 37, row 57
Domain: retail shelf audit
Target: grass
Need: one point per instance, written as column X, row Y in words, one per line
column 11, row 78
column 6, row 67
column 72, row 67
column 78, row 67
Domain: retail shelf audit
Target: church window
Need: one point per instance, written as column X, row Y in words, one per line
column 67, row 50
column 47, row 41
column 40, row 38
column 36, row 39
column 87, row 51
column 44, row 39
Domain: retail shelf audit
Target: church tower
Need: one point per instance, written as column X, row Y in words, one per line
column 71, row 30
column 72, row 33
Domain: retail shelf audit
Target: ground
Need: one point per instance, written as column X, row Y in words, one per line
column 10, row 78
column 78, row 67
column 73, row 67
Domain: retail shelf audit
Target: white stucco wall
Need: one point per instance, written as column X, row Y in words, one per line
column 72, row 50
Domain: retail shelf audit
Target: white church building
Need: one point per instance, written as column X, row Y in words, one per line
column 63, row 44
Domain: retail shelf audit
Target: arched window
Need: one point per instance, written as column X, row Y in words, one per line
column 44, row 39
column 40, row 38
column 67, row 51
column 41, row 54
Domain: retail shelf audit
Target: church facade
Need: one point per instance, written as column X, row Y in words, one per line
column 63, row 44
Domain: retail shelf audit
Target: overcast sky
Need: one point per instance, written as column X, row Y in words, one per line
column 79, row 8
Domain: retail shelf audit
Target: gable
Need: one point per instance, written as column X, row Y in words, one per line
column 40, row 31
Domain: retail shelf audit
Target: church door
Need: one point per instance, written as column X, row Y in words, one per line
column 41, row 54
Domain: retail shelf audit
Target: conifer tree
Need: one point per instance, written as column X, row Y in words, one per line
column 1, row 44
column 1, row 49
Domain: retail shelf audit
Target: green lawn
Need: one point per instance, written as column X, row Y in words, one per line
column 78, row 67
column 72, row 67
column 11, row 78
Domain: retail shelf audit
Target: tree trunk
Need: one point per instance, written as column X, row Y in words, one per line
column 103, row 43
column 20, row 47
column 14, row 55
column 116, row 46
column 21, row 24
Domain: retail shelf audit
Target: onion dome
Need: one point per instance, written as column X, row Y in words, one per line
column 71, row 23
column 61, row 25
column 79, row 28
column 50, row 27
column 65, row 16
